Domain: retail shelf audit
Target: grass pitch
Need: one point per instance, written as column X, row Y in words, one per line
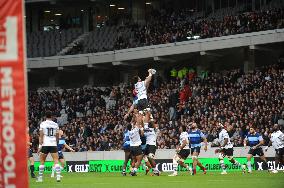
column 210, row 180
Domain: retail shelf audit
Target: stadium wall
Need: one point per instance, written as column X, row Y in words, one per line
column 202, row 45
column 160, row 154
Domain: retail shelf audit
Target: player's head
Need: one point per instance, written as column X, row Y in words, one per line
column 182, row 128
column 252, row 129
column 48, row 114
column 136, row 79
column 129, row 126
column 194, row 125
column 276, row 127
column 221, row 126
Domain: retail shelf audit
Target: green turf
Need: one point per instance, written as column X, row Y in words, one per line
column 212, row 180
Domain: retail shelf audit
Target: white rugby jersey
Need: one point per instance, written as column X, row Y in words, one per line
column 277, row 139
column 134, row 137
column 222, row 135
column 151, row 136
column 141, row 89
column 184, row 136
column 49, row 129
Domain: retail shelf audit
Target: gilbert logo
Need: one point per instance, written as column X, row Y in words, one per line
column 8, row 39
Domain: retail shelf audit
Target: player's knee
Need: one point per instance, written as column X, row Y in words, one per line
column 176, row 158
column 151, row 155
column 145, row 158
column 194, row 158
column 231, row 158
column 221, row 157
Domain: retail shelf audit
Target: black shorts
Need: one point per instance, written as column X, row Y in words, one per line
column 227, row 152
column 48, row 149
column 184, row 153
column 195, row 149
column 257, row 151
column 30, row 153
column 135, row 150
column 150, row 149
column 279, row 153
column 142, row 105
column 60, row 155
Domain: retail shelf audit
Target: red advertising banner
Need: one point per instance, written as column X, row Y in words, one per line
column 13, row 108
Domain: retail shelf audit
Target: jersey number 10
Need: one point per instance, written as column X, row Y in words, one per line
column 50, row 132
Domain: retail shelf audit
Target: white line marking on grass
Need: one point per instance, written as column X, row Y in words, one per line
column 218, row 180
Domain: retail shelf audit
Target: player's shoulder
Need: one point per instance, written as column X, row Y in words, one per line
column 184, row 134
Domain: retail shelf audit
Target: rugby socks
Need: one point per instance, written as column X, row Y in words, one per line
column 40, row 172
column 237, row 163
column 57, row 170
column 222, row 165
column 249, row 166
column 53, row 170
column 32, row 169
column 175, row 165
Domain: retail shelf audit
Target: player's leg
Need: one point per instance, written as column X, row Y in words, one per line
column 55, row 157
column 137, row 153
column 32, row 162
column 151, row 157
column 175, row 164
column 236, row 163
column 126, row 159
column 147, row 164
column 249, row 156
column 195, row 162
column 179, row 160
column 42, row 159
column 221, row 161
column 263, row 158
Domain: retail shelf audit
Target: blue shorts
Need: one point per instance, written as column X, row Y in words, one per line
column 30, row 153
column 126, row 147
column 195, row 149
column 60, row 155
column 143, row 147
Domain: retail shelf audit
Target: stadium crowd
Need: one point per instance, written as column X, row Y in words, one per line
column 170, row 27
column 92, row 118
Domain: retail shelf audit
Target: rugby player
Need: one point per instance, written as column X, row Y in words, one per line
column 277, row 141
column 255, row 142
column 48, row 140
column 226, row 148
column 30, row 156
column 61, row 144
column 195, row 139
column 182, row 152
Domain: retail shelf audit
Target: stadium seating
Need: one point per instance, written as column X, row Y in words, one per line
column 49, row 43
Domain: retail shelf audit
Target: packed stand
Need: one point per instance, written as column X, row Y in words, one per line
column 92, row 118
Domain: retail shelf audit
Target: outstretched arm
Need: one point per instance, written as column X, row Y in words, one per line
column 148, row 78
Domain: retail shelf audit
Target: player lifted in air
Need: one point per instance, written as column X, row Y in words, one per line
column 142, row 98
column 150, row 131
column 195, row 139
column 61, row 144
column 255, row 142
column 277, row 141
column 48, row 138
column 182, row 152
column 226, row 148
